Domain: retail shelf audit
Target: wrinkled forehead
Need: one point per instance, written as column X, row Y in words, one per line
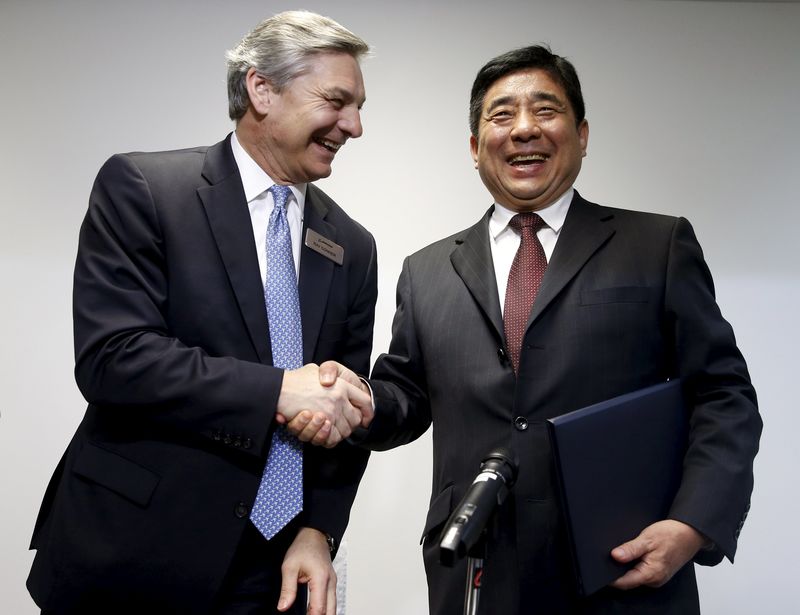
column 525, row 85
column 334, row 73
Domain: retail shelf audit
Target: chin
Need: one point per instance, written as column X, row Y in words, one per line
column 319, row 171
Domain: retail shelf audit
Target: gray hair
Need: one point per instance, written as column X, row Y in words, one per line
column 281, row 48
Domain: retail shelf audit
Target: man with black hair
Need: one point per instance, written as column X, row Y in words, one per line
column 546, row 305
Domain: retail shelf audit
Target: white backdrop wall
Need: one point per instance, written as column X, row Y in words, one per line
column 693, row 109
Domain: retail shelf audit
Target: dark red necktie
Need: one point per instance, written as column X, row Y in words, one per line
column 524, row 279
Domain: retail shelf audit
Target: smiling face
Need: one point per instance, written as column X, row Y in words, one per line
column 529, row 149
column 300, row 128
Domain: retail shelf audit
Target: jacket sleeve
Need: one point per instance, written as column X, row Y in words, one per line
column 725, row 424
column 127, row 360
column 402, row 409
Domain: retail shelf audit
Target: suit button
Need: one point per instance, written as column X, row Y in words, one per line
column 241, row 510
column 216, row 435
column 521, row 423
column 247, row 443
column 501, row 354
column 237, row 442
column 227, row 439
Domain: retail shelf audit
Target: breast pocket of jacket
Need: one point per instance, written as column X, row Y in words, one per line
column 614, row 321
column 618, row 294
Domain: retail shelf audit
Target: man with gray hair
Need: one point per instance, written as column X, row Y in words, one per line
column 209, row 283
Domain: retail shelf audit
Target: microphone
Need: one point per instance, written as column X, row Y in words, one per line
column 489, row 489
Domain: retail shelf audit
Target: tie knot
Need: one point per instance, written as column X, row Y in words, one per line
column 526, row 220
column 280, row 194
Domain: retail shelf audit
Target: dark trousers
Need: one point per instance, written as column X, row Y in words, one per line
column 251, row 587
column 253, row 584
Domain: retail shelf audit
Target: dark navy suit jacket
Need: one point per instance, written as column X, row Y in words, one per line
column 173, row 355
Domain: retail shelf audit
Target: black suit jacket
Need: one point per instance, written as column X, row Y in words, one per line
column 627, row 301
column 173, row 355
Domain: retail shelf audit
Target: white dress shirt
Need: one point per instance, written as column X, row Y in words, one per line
column 256, row 183
column 505, row 241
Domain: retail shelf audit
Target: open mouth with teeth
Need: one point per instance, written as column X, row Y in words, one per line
column 527, row 159
column 331, row 146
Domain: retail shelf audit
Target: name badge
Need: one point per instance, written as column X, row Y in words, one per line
column 324, row 246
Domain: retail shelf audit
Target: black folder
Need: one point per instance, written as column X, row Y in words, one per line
column 619, row 465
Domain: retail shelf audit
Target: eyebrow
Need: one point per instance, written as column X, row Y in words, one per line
column 536, row 96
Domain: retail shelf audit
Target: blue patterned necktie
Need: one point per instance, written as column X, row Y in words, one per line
column 280, row 495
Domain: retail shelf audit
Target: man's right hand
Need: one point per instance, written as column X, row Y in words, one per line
column 323, row 414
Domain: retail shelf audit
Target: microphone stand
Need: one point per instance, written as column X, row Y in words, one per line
column 475, row 558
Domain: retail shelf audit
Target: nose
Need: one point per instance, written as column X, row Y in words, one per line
column 350, row 121
column 526, row 126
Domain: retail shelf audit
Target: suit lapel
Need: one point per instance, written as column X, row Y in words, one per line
column 586, row 228
column 316, row 272
column 226, row 208
column 472, row 261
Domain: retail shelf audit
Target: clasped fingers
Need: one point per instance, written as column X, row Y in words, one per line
column 323, row 415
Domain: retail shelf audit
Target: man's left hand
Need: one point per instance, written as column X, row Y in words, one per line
column 662, row 549
column 308, row 560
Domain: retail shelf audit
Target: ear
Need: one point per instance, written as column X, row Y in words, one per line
column 473, row 148
column 583, row 135
column 260, row 91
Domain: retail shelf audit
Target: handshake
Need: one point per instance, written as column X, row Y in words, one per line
column 323, row 404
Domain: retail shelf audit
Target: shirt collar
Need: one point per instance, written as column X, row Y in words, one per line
column 255, row 180
column 553, row 215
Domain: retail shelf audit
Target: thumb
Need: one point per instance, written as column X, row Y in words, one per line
column 328, row 372
column 288, row 590
column 629, row 551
